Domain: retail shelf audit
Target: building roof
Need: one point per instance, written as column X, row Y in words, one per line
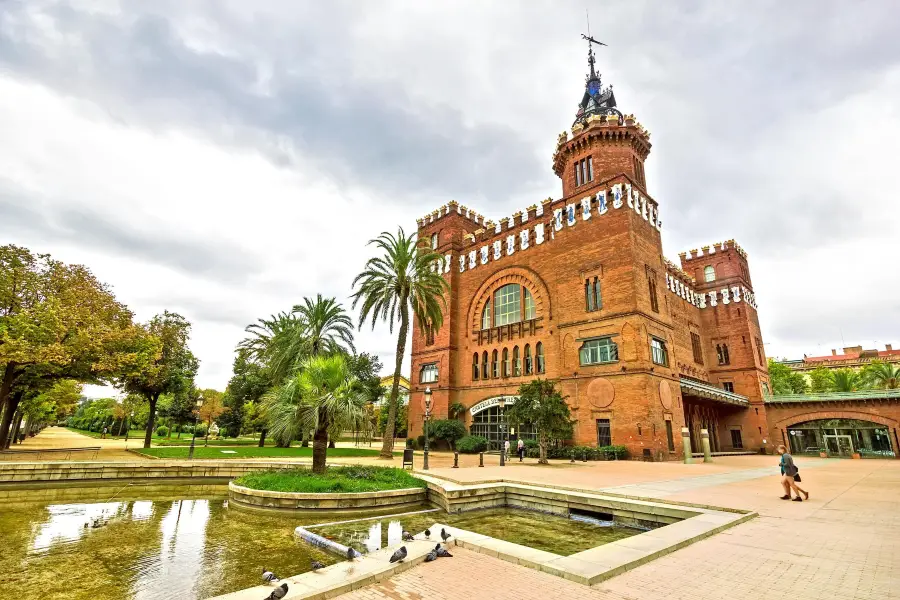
column 692, row 387
column 388, row 380
column 596, row 100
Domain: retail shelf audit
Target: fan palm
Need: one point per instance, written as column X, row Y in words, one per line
column 327, row 328
column 322, row 397
column 846, row 380
column 883, row 375
column 402, row 280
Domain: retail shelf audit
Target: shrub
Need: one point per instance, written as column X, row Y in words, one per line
column 201, row 430
column 448, row 430
column 410, row 443
column 162, row 431
column 471, row 444
column 614, row 452
column 420, row 441
column 334, row 480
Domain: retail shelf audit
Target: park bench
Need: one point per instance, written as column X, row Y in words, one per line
column 61, row 453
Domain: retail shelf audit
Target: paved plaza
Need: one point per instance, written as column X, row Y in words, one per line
column 842, row 543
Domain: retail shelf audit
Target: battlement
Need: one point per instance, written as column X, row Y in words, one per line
column 453, row 207
column 717, row 247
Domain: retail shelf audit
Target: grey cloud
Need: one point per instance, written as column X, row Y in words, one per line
column 75, row 223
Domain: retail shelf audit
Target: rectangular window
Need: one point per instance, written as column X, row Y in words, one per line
column 651, row 285
column 577, row 174
column 658, row 352
column 434, row 241
column 728, row 386
column 600, row 350
column 604, row 434
column 695, row 346
column 428, row 373
column 593, row 300
column 598, row 298
column 507, row 307
column 590, row 162
column 669, row 437
column 429, row 336
column 765, row 388
column 736, row 442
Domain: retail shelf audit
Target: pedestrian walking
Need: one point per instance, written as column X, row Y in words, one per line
column 520, row 448
column 790, row 475
column 103, row 436
column 506, row 449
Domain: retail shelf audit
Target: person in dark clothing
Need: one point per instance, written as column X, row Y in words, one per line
column 788, row 471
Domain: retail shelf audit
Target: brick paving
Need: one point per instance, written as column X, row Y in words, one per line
column 843, row 543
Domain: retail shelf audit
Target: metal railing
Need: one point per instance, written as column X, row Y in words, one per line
column 834, row 396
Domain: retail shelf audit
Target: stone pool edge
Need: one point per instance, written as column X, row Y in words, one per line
column 301, row 501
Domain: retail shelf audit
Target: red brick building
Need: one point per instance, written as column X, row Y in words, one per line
column 577, row 289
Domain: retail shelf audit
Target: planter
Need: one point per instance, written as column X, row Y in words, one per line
column 250, row 498
column 855, row 455
column 823, row 455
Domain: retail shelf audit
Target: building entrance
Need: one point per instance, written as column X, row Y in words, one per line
column 486, row 423
column 841, row 437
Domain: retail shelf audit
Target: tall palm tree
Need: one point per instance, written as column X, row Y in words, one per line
column 846, row 380
column 275, row 343
column 883, row 375
column 327, row 328
column 402, row 280
column 322, row 397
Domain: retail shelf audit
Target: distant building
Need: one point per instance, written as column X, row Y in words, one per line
column 387, row 383
column 852, row 357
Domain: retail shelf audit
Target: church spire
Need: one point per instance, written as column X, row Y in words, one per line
column 596, row 100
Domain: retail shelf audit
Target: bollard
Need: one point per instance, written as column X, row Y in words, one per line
column 573, row 456
column 686, row 442
column 456, row 460
column 704, row 439
column 584, row 456
column 481, row 459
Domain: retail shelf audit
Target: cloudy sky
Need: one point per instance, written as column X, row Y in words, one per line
column 223, row 159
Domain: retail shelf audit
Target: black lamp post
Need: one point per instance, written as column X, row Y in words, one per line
column 501, row 403
column 427, row 416
column 128, row 427
column 194, row 433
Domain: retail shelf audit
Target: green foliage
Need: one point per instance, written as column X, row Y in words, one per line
column 201, row 431
column 456, row 410
column 248, row 452
column 471, row 444
column 846, row 380
column 162, row 431
column 543, row 406
column 786, row 381
column 246, row 387
column 399, row 281
column 352, row 479
column 448, row 430
column 882, row 375
column 581, row 452
column 401, row 426
column 322, row 397
column 820, row 381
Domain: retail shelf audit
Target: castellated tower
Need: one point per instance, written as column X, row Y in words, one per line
column 576, row 290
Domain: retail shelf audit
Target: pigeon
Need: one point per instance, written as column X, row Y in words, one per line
column 442, row 552
column 431, row 556
column 407, row 536
column 316, row 565
column 351, row 553
column 444, row 535
column 399, row 555
column 269, row 576
column 278, row 593
column 427, row 533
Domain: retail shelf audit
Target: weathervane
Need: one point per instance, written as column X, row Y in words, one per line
column 591, row 41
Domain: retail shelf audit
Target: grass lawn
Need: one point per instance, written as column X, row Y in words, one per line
column 185, row 440
column 251, row 452
column 334, row 480
column 96, row 434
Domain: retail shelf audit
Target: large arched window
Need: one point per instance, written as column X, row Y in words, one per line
column 529, row 305
column 517, row 362
column 528, row 367
column 486, row 316
column 475, row 367
column 709, row 273
column 506, row 362
column 507, row 305
column 485, row 365
column 539, row 357
column 495, row 366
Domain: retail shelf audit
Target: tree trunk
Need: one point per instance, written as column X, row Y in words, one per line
column 14, row 430
column 12, row 405
column 6, row 401
column 121, row 424
column 320, row 448
column 262, row 438
column 331, row 444
column 387, row 445
column 148, row 436
column 542, row 444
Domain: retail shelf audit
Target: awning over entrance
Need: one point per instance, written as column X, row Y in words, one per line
column 691, row 387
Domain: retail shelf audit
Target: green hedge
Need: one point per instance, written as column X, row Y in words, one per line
column 162, row 431
column 334, row 480
column 579, row 452
column 471, row 444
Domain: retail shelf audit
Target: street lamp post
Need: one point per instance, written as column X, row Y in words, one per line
column 128, row 428
column 427, row 416
column 194, row 433
column 501, row 403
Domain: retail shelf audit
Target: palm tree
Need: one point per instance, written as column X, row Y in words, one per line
column 401, row 280
column 322, row 397
column 327, row 328
column 846, row 380
column 275, row 343
column 883, row 375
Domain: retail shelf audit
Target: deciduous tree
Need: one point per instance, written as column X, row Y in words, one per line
column 543, row 406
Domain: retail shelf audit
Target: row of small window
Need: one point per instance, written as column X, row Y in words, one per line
column 495, row 367
column 508, row 304
column 584, row 171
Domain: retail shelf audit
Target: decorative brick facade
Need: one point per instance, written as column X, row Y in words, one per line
column 605, row 229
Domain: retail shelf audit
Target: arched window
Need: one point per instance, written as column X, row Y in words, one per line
column 709, row 273
column 485, row 366
column 507, row 305
column 539, row 357
column 528, row 368
column 495, row 367
column 529, row 305
column 506, row 362
column 486, row 316
column 475, row 367
column 517, row 362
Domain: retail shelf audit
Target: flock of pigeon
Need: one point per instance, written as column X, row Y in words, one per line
column 397, row 557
